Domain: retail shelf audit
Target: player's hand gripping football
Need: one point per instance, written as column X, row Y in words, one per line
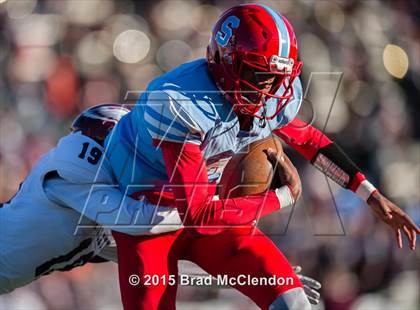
column 311, row 286
column 287, row 172
column 396, row 218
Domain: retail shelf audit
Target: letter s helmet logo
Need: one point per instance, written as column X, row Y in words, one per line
column 223, row 36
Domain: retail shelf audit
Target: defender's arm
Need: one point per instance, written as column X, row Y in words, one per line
column 107, row 206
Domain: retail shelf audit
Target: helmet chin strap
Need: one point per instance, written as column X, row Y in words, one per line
column 262, row 121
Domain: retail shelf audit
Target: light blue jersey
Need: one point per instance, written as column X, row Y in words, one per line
column 184, row 105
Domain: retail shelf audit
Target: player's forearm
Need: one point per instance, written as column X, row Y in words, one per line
column 107, row 206
column 188, row 176
column 325, row 155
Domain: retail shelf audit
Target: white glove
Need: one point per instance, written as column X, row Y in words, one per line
column 310, row 286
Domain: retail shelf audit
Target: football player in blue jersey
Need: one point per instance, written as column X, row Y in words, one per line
column 71, row 188
column 202, row 112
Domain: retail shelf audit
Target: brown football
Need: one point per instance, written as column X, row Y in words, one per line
column 250, row 171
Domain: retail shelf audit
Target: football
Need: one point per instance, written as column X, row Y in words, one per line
column 250, row 170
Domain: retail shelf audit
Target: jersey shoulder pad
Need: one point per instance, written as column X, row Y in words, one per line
column 167, row 119
column 292, row 108
column 183, row 104
column 79, row 159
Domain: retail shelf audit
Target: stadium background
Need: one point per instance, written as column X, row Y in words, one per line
column 59, row 57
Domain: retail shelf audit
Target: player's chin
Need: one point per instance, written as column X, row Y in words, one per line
column 251, row 98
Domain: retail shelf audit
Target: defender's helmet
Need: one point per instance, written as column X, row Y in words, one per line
column 253, row 38
column 96, row 122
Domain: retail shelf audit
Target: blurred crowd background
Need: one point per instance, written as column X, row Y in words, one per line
column 59, row 57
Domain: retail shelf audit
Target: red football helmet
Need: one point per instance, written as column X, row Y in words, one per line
column 253, row 38
column 96, row 122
